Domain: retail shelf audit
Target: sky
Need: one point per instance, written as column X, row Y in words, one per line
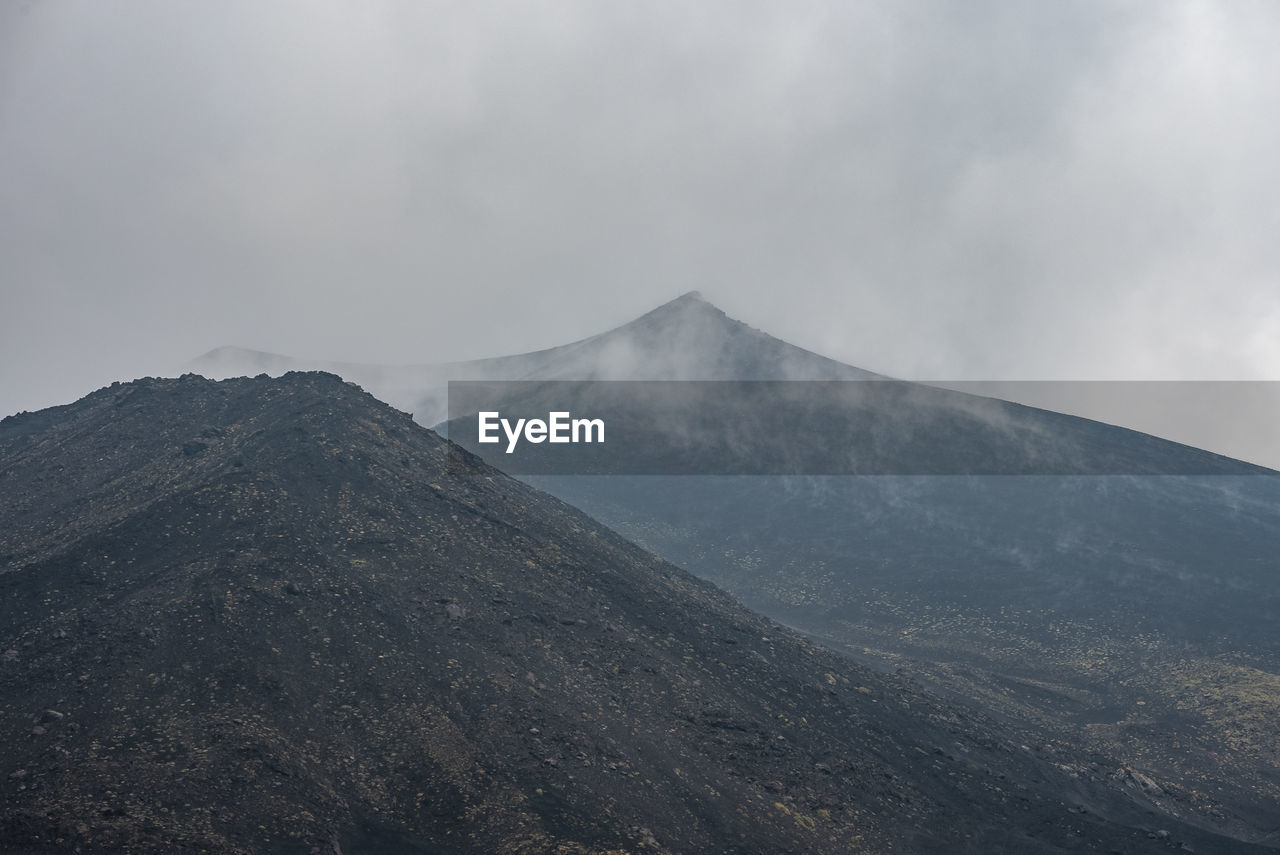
column 924, row 188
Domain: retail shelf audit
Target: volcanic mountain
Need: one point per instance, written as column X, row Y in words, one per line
column 1126, row 603
column 279, row 616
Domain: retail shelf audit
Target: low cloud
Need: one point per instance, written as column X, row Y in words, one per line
column 1003, row 190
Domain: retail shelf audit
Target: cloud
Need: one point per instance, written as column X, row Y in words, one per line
column 1025, row 190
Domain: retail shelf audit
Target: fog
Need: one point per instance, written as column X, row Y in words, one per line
column 992, row 191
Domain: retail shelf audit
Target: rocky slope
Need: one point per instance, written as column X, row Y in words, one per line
column 278, row 616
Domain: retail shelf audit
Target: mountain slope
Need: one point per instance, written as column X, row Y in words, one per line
column 1134, row 615
column 277, row 616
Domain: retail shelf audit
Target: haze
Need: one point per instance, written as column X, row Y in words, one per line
column 935, row 190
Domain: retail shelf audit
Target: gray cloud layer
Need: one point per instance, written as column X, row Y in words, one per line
column 925, row 188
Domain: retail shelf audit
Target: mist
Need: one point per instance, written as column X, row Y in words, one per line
column 1019, row 191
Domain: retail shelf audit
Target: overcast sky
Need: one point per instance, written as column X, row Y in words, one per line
column 944, row 190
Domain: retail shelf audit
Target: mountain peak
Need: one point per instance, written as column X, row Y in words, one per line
column 693, row 301
column 690, row 302
column 689, row 338
column 689, row 298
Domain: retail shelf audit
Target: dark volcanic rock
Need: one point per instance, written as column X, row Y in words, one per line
column 324, row 632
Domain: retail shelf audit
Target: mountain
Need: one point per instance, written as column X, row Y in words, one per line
column 1122, row 598
column 685, row 339
column 278, row 616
